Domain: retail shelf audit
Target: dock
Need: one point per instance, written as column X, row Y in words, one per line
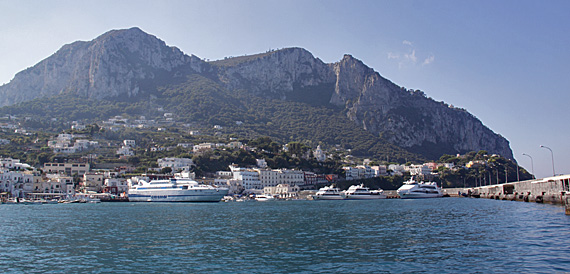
column 553, row 190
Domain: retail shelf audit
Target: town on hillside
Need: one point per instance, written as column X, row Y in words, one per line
column 88, row 159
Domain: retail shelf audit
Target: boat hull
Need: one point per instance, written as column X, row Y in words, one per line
column 419, row 195
column 365, row 197
column 328, row 197
column 178, row 195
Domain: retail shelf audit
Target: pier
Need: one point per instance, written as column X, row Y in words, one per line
column 553, row 190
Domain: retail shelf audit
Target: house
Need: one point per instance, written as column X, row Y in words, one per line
column 248, row 178
column 129, row 143
column 115, row 185
column 67, row 168
column 55, row 183
column 419, row 170
column 203, row 147
column 125, row 151
column 319, row 154
column 176, row 164
column 93, row 182
column 282, row 191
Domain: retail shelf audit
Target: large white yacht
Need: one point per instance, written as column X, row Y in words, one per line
column 413, row 189
column 175, row 190
column 329, row 193
column 360, row 192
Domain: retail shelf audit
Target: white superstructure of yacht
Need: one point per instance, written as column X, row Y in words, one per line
column 329, row 193
column 360, row 192
column 413, row 189
column 175, row 190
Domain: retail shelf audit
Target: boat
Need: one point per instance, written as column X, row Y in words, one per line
column 175, row 190
column 413, row 189
column 329, row 193
column 264, row 197
column 360, row 192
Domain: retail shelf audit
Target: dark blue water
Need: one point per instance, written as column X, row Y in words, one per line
column 432, row 235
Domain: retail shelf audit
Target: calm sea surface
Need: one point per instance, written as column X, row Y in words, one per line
column 431, row 235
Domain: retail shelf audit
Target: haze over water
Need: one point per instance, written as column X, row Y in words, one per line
column 432, row 235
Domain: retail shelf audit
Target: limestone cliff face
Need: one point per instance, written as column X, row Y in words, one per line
column 116, row 63
column 276, row 73
column 403, row 117
column 406, row 117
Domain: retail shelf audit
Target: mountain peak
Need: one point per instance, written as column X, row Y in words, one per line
column 115, row 63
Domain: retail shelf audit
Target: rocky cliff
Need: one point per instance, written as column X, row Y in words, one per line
column 403, row 117
column 131, row 62
column 115, row 63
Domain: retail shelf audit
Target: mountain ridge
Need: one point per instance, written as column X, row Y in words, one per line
column 133, row 64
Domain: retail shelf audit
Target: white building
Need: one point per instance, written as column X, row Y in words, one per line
column 379, row 171
column 282, row 191
column 319, row 154
column 18, row 184
column 203, row 147
column 248, row 178
column 185, row 145
column 68, row 168
column 397, row 169
column 358, row 172
column 9, row 163
column 55, row 183
column 259, row 178
column 235, row 145
column 261, row 163
column 129, row 143
column 235, row 186
column 93, row 182
column 176, row 164
column 419, row 170
column 118, row 184
column 125, row 151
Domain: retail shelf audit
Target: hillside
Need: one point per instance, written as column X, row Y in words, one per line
column 287, row 94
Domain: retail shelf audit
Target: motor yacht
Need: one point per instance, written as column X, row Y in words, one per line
column 360, row 192
column 329, row 193
column 413, row 189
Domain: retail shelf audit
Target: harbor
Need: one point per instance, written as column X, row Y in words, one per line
column 447, row 235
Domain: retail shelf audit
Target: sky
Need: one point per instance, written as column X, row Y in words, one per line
column 506, row 62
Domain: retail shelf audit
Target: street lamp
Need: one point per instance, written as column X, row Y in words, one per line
column 552, row 155
column 531, row 162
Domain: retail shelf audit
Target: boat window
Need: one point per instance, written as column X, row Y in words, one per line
column 184, row 187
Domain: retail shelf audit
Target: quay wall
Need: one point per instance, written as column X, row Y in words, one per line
column 555, row 190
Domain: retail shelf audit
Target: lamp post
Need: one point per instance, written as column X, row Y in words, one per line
column 531, row 163
column 552, row 155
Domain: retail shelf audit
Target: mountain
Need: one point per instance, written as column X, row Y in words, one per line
column 282, row 93
column 117, row 62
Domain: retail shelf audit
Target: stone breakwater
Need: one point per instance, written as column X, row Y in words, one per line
column 553, row 190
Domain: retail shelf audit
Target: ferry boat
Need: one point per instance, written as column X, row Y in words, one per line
column 413, row 189
column 329, row 193
column 175, row 190
column 360, row 192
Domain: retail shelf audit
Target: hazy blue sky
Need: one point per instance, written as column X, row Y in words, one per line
column 506, row 62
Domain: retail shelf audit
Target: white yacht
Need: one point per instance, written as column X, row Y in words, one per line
column 264, row 198
column 413, row 189
column 329, row 193
column 175, row 190
column 360, row 192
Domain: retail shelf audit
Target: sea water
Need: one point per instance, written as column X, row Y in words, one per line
column 375, row 236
